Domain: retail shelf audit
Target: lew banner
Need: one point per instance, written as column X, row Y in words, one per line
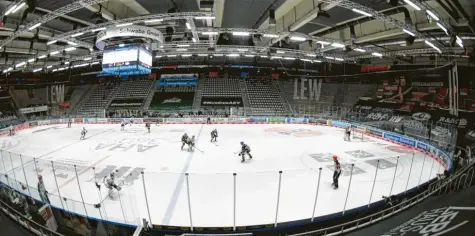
column 221, row 101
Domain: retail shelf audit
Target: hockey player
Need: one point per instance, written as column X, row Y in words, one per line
column 191, row 143
column 184, row 139
column 11, row 130
column 245, row 150
column 109, row 182
column 122, row 126
column 214, row 135
column 347, row 133
column 70, row 121
column 42, row 190
column 336, row 172
column 147, row 125
column 83, row 133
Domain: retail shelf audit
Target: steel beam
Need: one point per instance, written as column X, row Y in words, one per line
column 58, row 12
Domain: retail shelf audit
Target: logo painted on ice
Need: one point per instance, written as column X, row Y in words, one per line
column 127, row 144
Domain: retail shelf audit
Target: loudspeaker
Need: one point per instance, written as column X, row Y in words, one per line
column 410, row 40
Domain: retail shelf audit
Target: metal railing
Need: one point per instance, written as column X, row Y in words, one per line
column 439, row 187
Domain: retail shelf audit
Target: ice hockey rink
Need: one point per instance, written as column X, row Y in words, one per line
column 210, row 196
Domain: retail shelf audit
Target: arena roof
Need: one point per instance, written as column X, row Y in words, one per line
column 36, row 33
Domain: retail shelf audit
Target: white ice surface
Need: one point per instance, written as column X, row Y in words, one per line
column 274, row 147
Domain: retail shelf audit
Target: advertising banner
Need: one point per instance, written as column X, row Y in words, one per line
column 320, row 121
column 400, row 139
column 101, row 120
column 172, row 100
column 339, row 124
column 89, row 120
column 43, row 122
column 237, row 120
column 152, row 120
column 137, row 120
column 55, row 121
column 276, row 119
column 223, row 120
column 296, row 120
column 33, row 123
column 222, row 101
column 196, row 119
column 258, row 119
column 136, row 102
column 28, row 110
column 374, row 132
column 116, row 120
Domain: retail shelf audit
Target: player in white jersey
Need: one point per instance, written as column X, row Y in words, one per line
column 109, row 182
column 83, row 133
column 347, row 133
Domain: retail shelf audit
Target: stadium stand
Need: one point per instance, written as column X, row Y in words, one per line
column 8, row 115
column 30, row 97
column 131, row 94
column 221, row 87
column 99, row 99
column 264, row 98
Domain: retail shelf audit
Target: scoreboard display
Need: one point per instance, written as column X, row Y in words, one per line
column 132, row 59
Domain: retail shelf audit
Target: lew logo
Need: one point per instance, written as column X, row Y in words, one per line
column 309, row 89
column 441, row 221
column 172, row 100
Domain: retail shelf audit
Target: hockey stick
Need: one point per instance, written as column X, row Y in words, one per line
column 199, row 150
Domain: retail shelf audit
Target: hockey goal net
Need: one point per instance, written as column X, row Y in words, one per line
column 359, row 133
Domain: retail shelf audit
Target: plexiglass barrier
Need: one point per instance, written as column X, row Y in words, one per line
column 210, row 200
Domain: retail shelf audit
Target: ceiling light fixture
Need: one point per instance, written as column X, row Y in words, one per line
column 233, row 55
column 209, row 33
column 408, row 32
column 338, row 45
column 413, row 5
column 54, row 53
column 431, row 14
column 433, row 46
column 188, row 26
column 51, row 42
column 34, row 26
column 42, row 56
column 31, row 60
column 241, row 33
column 298, row 38
column 18, row 7
column 124, row 24
column 76, row 35
column 36, row 70
column 271, row 36
column 359, row 50
column 154, row 20
column 20, row 64
column 98, row 29
column 377, row 54
column 70, row 49
column 182, row 45
column 361, row 12
column 181, row 49
column 72, row 43
column 10, row 10
column 205, row 17
column 443, row 28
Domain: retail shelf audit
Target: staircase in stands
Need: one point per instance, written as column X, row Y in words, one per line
column 198, row 96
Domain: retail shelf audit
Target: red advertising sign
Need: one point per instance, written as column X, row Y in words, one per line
column 275, row 75
column 213, row 74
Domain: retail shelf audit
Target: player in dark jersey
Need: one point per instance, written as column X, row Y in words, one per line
column 184, row 140
column 214, row 135
column 336, row 172
column 245, row 150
